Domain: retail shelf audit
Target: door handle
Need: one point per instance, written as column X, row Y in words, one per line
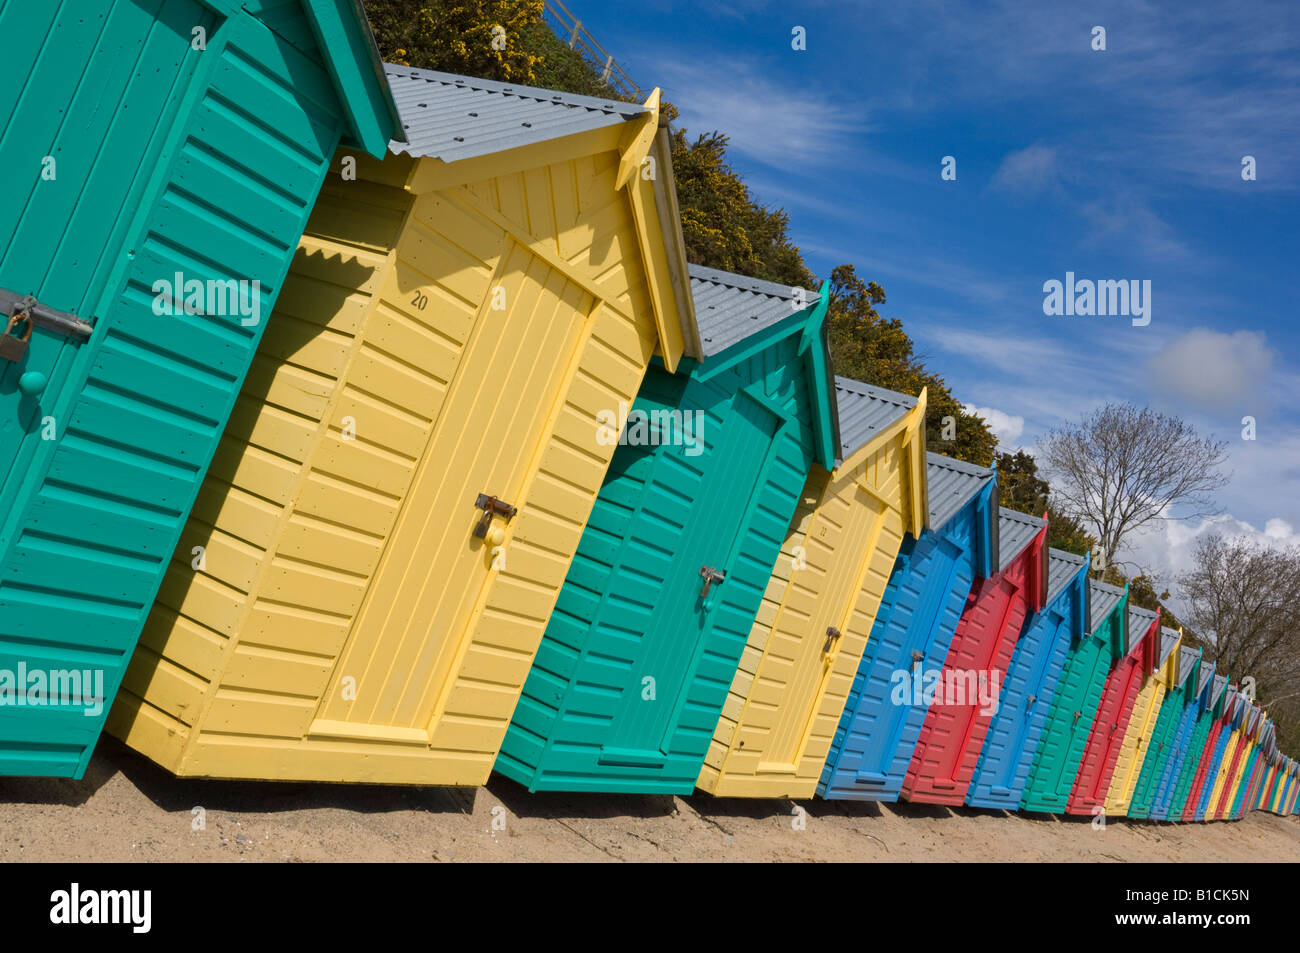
column 917, row 657
column 711, row 578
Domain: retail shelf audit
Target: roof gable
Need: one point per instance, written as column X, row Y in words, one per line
column 449, row 117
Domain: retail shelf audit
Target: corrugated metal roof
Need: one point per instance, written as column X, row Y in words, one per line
column 1207, row 673
column 1104, row 598
column 1168, row 639
column 1186, row 660
column 951, row 485
column 864, row 411
column 1061, row 568
column 729, row 308
column 1015, row 531
column 1220, row 683
column 450, row 117
column 1139, row 620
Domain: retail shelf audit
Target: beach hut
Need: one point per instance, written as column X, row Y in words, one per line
column 160, row 158
column 1269, row 789
column 1216, row 767
column 821, row 602
column 967, row 688
column 918, row 615
column 1244, row 799
column 1278, row 782
column 1097, row 766
column 657, row 608
column 1221, row 780
column 1179, row 700
column 1188, row 741
column 1286, row 785
column 1074, row 706
column 1293, row 790
column 1141, row 724
column 1224, row 696
column 399, row 494
column 1031, row 682
column 1233, row 778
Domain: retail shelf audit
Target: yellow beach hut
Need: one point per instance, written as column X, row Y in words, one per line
column 821, row 601
column 374, row 556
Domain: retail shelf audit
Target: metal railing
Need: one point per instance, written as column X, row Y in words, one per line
column 570, row 29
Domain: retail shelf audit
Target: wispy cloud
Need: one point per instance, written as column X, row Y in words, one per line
column 1028, row 171
column 780, row 124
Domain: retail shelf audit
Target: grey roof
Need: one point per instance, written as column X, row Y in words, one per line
column 1015, row 531
column 1104, row 598
column 864, row 411
column 951, row 485
column 1186, row 661
column 1061, row 568
column 1168, row 639
column 1220, row 683
column 1139, row 620
column 1207, row 673
column 729, row 308
column 450, row 117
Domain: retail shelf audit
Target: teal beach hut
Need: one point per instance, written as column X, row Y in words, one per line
column 159, row 161
column 657, row 607
column 1176, row 714
column 1074, row 705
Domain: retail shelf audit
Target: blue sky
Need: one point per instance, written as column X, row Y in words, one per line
column 1122, row 164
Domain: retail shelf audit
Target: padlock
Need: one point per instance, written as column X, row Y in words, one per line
column 13, row 348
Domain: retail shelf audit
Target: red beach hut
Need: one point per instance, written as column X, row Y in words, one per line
column 958, row 718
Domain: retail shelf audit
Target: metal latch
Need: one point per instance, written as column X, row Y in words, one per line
column 1030, row 704
column 43, row 316
column 491, row 507
column 711, row 577
column 917, row 656
column 832, row 635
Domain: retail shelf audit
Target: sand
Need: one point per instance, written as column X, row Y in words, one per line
column 128, row 809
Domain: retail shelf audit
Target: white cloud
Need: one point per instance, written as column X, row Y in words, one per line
column 1006, row 427
column 1030, row 170
column 1213, row 369
column 1165, row 548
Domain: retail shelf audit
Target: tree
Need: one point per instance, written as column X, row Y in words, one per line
column 1021, row 488
column 877, row 350
column 1244, row 598
column 457, row 37
column 1122, row 467
column 722, row 224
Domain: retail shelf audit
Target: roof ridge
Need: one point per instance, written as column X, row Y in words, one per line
column 753, row 285
column 871, row 390
column 538, row 93
column 960, row 466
